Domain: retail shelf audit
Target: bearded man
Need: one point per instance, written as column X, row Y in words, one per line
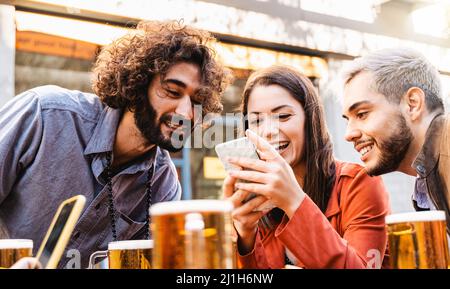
column 111, row 147
column 396, row 121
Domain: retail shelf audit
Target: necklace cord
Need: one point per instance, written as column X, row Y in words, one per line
column 111, row 208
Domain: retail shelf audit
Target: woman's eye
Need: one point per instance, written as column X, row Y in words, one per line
column 282, row 116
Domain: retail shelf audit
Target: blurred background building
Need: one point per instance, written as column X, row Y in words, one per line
column 56, row 42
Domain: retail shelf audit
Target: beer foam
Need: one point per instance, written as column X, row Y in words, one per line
column 130, row 244
column 191, row 206
column 424, row 216
column 16, row 244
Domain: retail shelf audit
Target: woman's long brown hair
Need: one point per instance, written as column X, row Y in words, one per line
column 320, row 164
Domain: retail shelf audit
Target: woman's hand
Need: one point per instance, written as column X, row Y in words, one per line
column 271, row 177
column 245, row 218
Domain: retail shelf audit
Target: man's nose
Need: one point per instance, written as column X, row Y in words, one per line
column 352, row 133
column 184, row 108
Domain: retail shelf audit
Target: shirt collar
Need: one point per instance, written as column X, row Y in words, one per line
column 144, row 163
column 102, row 140
column 428, row 156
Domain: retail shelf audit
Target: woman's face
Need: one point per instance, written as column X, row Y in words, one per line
column 278, row 117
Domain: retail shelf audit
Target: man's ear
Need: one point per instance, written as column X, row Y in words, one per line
column 414, row 100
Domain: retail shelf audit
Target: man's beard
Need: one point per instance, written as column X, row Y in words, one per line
column 394, row 149
column 150, row 128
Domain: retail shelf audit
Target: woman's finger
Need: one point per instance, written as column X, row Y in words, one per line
column 252, row 164
column 260, row 189
column 250, row 206
column 250, row 219
column 265, row 150
column 228, row 186
column 250, row 176
column 239, row 197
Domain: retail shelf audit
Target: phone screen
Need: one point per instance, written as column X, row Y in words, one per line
column 55, row 233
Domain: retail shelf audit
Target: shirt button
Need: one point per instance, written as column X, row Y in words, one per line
column 76, row 235
column 421, row 169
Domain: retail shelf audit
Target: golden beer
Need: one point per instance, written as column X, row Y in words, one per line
column 130, row 254
column 136, row 254
column 12, row 250
column 194, row 234
column 418, row 240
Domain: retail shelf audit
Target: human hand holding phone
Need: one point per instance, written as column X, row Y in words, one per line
column 241, row 147
column 270, row 176
column 245, row 216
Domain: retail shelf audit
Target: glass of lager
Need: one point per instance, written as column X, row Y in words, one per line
column 130, row 254
column 194, row 234
column 418, row 240
column 12, row 250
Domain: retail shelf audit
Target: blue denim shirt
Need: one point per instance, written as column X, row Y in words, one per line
column 53, row 145
column 421, row 196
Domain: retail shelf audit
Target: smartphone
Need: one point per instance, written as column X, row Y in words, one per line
column 241, row 147
column 59, row 232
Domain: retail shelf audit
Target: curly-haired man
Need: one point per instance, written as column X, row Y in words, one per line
column 110, row 147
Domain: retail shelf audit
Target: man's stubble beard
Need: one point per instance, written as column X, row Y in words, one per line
column 394, row 149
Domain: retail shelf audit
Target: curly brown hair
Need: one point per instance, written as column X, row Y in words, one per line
column 124, row 69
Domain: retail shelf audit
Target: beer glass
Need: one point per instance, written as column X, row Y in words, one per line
column 418, row 240
column 12, row 250
column 131, row 254
column 194, row 234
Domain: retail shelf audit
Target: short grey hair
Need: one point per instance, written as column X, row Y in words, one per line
column 397, row 70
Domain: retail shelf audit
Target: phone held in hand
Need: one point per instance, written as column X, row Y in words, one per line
column 241, row 147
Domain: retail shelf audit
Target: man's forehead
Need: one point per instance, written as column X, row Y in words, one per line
column 184, row 68
column 183, row 73
column 360, row 88
column 360, row 81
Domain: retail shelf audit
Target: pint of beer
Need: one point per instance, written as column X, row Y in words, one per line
column 193, row 234
column 418, row 240
column 132, row 254
column 12, row 250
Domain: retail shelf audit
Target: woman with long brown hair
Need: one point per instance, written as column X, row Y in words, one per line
column 328, row 213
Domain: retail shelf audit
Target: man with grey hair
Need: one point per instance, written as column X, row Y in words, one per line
column 393, row 104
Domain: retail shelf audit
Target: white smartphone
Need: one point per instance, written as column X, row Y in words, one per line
column 59, row 232
column 241, row 147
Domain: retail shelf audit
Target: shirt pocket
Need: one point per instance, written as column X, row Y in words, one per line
column 127, row 228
